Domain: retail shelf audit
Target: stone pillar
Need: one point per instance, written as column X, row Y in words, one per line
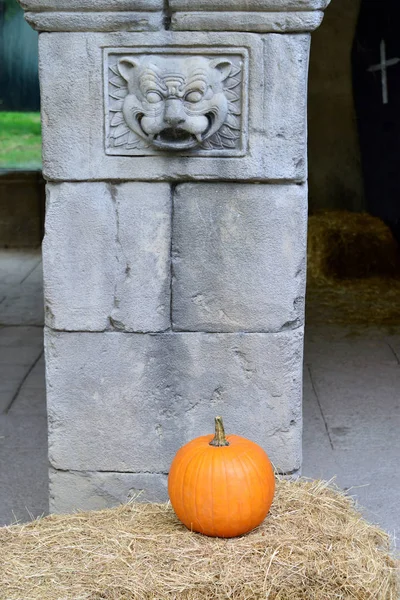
column 174, row 149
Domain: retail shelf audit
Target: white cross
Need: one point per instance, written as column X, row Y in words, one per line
column 384, row 64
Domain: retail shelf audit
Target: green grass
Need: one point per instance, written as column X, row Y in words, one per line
column 20, row 141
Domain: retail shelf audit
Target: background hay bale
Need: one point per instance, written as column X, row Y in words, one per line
column 345, row 245
column 353, row 271
column 313, row 545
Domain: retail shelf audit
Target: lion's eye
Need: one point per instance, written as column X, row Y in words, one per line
column 153, row 97
column 193, row 96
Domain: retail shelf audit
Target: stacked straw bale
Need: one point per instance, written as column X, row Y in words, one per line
column 345, row 245
column 353, row 271
column 314, row 545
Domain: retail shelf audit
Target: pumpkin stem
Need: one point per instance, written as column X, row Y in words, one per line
column 220, row 437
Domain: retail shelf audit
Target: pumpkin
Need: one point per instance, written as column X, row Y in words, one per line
column 221, row 486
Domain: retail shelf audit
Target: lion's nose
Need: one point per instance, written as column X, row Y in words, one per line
column 173, row 113
column 174, row 121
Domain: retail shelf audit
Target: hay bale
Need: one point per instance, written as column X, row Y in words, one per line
column 313, row 545
column 361, row 302
column 346, row 245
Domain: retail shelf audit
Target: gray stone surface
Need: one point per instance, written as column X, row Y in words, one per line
column 23, row 423
column 240, row 266
column 259, row 22
column 71, row 69
column 95, row 21
column 21, row 288
column 91, row 5
column 248, row 5
column 143, row 290
column 71, row 490
column 134, row 5
column 79, row 255
column 115, row 260
column 135, row 399
column 352, row 416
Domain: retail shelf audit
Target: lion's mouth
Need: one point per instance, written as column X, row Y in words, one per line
column 175, row 139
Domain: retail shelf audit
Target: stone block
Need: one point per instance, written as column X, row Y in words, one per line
column 240, row 266
column 95, row 21
column 259, row 22
column 90, row 5
column 248, row 5
column 142, row 290
column 106, row 254
column 76, row 90
column 79, row 258
column 126, row 402
column 71, row 491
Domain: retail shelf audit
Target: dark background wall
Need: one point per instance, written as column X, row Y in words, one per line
column 335, row 176
column 19, row 87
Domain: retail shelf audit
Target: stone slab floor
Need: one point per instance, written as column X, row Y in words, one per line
column 351, row 404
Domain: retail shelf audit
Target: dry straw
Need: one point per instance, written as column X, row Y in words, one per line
column 344, row 245
column 313, row 545
column 353, row 271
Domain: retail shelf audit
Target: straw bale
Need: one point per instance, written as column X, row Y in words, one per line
column 346, row 245
column 313, row 545
column 360, row 302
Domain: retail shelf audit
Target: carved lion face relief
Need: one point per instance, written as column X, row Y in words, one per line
column 175, row 103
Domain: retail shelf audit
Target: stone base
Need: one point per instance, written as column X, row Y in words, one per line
column 72, row 490
column 127, row 402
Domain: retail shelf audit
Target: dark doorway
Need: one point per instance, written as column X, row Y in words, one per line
column 376, row 81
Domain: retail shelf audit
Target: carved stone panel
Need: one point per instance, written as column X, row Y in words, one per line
column 176, row 101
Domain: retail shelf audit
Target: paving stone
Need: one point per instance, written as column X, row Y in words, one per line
column 35, row 277
column 7, row 395
column 23, row 305
column 135, row 399
column 20, row 336
column 352, row 417
column 240, row 266
column 24, row 491
column 15, row 265
column 373, row 410
column 29, row 402
column 372, row 477
column 36, row 378
column 71, row 491
column 319, row 459
column 23, row 356
column 345, row 345
column 22, row 434
column 12, row 373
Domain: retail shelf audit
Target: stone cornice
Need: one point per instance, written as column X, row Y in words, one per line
column 247, row 5
column 95, row 21
column 262, row 16
column 91, row 5
column 258, row 22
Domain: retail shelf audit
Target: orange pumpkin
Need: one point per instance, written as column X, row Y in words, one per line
column 221, row 486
